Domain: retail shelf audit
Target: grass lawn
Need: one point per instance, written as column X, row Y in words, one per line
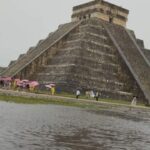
column 23, row 100
column 61, row 101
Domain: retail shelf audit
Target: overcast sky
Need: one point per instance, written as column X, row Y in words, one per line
column 24, row 22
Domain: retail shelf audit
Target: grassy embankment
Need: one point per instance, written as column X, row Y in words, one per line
column 62, row 101
column 24, row 100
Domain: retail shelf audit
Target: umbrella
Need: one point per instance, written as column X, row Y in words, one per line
column 33, row 84
column 6, row 78
column 17, row 80
column 52, row 84
column 24, row 80
column 48, row 86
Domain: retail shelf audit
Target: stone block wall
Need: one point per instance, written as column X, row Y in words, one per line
column 102, row 10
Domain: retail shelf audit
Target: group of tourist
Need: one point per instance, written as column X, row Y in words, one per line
column 24, row 85
column 89, row 94
column 32, row 86
column 96, row 95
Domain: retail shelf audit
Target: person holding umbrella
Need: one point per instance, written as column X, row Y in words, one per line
column 52, row 88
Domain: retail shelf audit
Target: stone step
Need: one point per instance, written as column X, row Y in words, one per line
column 42, row 78
column 100, row 27
column 99, row 52
column 91, row 51
column 92, row 29
column 82, row 60
column 89, row 44
column 58, row 66
column 96, row 38
column 95, row 54
column 69, row 49
column 88, row 36
column 56, row 69
column 102, row 68
column 95, row 72
column 74, row 36
column 99, row 56
column 92, row 21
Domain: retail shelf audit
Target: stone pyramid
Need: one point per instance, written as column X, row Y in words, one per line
column 93, row 52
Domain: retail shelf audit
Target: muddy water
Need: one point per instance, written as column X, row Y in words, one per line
column 50, row 127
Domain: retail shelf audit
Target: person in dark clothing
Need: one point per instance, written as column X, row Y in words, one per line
column 97, row 95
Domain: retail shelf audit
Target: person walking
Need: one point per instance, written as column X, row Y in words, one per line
column 52, row 90
column 77, row 93
column 97, row 95
column 134, row 101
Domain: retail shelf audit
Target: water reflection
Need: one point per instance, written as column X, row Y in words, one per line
column 40, row 127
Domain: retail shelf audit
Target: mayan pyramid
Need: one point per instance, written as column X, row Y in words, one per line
column 94, row 51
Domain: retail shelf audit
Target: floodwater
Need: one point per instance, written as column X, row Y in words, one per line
column 51, row 127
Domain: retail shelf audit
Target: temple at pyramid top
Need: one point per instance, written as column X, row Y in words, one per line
column 102, row 10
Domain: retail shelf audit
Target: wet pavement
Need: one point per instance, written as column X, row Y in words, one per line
column 51, row 127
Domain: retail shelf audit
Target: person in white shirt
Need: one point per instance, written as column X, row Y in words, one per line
column 77, row 93
column 134, row 101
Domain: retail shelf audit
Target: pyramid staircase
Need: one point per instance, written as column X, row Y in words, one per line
column 133, row 56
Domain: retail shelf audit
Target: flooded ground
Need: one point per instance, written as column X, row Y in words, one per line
column 50, row 127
